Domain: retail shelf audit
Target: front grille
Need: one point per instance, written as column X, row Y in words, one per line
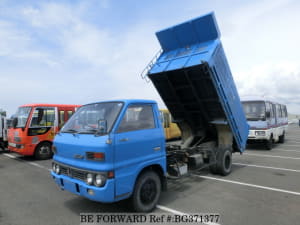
column 64, row 170
column 73, row 173
column 78, row 174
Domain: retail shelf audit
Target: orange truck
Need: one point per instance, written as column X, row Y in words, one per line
column 34, row 127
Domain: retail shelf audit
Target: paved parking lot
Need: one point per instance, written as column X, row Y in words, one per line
column 264, row 188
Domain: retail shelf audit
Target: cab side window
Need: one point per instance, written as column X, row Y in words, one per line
column 137, row 117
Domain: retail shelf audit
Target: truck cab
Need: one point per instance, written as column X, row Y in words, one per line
column 105, row 146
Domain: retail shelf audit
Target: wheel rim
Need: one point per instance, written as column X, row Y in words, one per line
column 148, row 191
column 44, row 150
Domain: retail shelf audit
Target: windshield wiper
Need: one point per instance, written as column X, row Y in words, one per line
column 69, row 131
column 86, row 132
column 91, row 131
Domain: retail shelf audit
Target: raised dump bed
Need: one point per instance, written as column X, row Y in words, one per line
column 194, row 80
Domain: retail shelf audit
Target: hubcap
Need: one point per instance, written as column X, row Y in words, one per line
column 148, row 191
column 45, row 150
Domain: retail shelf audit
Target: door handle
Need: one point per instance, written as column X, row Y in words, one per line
column 156, row 148
column 123, row 139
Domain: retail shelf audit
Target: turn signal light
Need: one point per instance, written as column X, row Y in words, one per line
column 100, row 156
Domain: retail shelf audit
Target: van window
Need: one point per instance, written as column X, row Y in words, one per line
column 137, row 117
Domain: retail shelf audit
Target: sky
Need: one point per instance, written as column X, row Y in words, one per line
column 77, row 52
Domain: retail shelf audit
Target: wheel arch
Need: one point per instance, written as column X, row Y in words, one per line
column 158, row 170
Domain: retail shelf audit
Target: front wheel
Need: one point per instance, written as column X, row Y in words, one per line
column 43, row 151
column 281, row 138
column 146, row 192
column 269, row 143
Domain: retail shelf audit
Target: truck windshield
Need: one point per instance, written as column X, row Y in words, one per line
column 255, row 110
column 86, row 119
column 22, row 115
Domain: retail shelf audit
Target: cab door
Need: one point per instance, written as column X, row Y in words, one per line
column 138, row 140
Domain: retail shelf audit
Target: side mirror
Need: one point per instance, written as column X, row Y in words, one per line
column 102, row 126
column 15, row 122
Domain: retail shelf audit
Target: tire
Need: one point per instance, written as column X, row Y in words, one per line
column 281, row 138
column 43, row 151
column 146, row 192
column 224, row 161
column 269, row 143
column 213, row 168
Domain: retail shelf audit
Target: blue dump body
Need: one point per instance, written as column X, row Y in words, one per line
column 193, row 78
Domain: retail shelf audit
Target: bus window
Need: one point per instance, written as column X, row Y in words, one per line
column 70, row 113
column 61, row 118
column 277, row 111
column 268, row 110
column 43, row 117
column 285, row 111
column 282, row 110
column 273, row 111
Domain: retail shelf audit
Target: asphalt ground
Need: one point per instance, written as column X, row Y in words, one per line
column 263, row 188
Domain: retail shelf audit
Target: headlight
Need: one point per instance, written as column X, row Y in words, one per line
column 57, row 169
column 99, row 180
column 260, row 133
column 89, row 178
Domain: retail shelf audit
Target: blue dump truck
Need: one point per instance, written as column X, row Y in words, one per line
column 114, row 150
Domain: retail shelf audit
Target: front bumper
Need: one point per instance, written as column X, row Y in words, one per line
column 256, row 135
column 22, row 149
column 78, row 187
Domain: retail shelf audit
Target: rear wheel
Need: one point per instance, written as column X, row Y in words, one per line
column 146, row 192
column 43, row 151
column 223, row 163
